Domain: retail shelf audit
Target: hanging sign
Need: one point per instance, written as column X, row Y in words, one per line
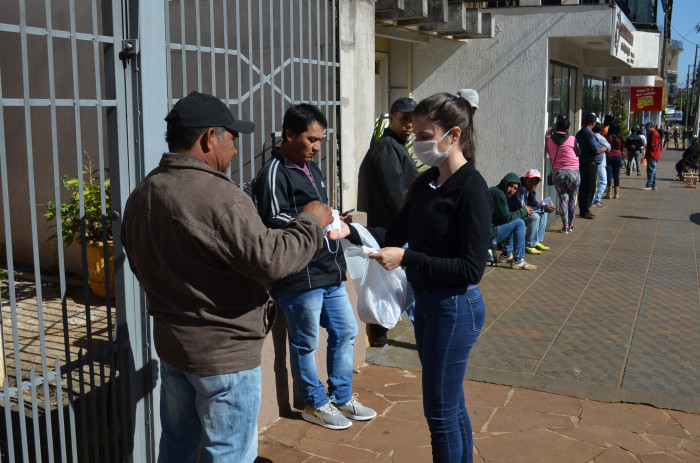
column 646, row 99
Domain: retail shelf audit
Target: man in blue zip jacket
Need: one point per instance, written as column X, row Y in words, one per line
column 316, row 295
column 591, row 157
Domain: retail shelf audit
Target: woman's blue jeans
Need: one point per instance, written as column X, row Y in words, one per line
column 448, row 323
column 216, row 412
column 330, row 308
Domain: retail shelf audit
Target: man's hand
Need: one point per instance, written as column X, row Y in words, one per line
column 320, row 210
column 550, row 207
column 339, row 234
column 529, row 210
column 389, row 258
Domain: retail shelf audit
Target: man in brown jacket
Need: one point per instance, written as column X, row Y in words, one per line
column 200, row 251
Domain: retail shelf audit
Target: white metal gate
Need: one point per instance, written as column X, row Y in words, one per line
column 85, row 85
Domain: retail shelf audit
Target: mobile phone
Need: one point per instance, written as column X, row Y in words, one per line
column 347, row 212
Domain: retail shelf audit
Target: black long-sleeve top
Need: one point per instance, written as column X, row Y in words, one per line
column 448, row 230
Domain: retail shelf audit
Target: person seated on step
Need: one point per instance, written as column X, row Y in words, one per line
column 690, row 161
column 507, row 226
column 535, row 224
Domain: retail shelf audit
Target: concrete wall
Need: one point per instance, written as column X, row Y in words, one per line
column 356, row 91
column 510, row 73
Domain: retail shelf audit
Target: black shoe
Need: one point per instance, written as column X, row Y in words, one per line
column 378, row 333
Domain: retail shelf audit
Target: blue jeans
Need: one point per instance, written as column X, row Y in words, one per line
column 613, row 170
column 651, row 172
column 448, row 323
column 535, row 227
column 512, row 234
column 218, row 412
column 330, row 308
column 601, row 183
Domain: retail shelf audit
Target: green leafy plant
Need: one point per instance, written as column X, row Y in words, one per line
column 95, row 222
column 619, row 111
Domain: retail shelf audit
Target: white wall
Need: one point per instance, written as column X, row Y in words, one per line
column 510, row 73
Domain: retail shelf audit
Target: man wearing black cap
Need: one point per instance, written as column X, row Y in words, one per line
column 201, row 253
column 385, row 175
column 591, row 157
column 388, row 168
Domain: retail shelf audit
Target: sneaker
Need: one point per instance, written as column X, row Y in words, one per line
column 564, row 230
column 653, row 188
column 355, row 410
column 522, row 265
column 647, row 188
column 327, row 416
column 597, row 204
column 504, row 258
column 541, row 246
column 532, row 250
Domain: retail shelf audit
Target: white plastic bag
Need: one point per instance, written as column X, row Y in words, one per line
column 381, row 294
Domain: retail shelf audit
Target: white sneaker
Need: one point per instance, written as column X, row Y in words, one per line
column 505, row 258
column 522, row 265
column 327, row 416
column 355, row 410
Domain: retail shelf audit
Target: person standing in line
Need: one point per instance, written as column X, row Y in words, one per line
column 316, row 295
column 634, row 145
column 385, row 175
column 652, row 155
column 667, row 137
column 472, row 97
column 201, row 253
column 602, row 187
column 591, row 158
column 614, row 159
column 563, row 155
column 447, row 223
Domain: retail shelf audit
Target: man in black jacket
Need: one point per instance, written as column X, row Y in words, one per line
column 387, row 171
column 316, row 295
column 591, row 157
column 386, row 174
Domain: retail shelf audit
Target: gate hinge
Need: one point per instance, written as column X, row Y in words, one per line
column 130, row 49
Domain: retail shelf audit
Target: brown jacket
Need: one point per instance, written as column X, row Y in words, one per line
column 199, row 249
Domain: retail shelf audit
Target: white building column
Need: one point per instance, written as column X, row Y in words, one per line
column 356, row 91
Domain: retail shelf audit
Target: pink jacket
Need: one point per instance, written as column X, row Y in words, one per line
column 565, row 157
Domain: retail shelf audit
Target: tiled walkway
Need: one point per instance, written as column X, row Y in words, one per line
column 611, row 315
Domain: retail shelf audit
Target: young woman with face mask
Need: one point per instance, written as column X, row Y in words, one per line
column 446, row 220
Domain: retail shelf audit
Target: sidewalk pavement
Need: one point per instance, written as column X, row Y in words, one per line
column 569, row 357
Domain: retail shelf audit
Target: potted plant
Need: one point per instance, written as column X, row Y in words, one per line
column 94, row 222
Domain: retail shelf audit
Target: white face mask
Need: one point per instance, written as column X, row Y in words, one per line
column 427, row 151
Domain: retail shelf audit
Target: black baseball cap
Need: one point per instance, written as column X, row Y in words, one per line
column 203, row 110
column 589, row 118
column 404, row 105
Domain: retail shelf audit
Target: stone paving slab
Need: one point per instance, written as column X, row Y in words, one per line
column 612, row 313
column 511, row 425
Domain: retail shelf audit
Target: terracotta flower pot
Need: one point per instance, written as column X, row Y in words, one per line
column 96, row 268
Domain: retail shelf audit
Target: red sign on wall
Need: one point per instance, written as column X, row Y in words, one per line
column 647, row 99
